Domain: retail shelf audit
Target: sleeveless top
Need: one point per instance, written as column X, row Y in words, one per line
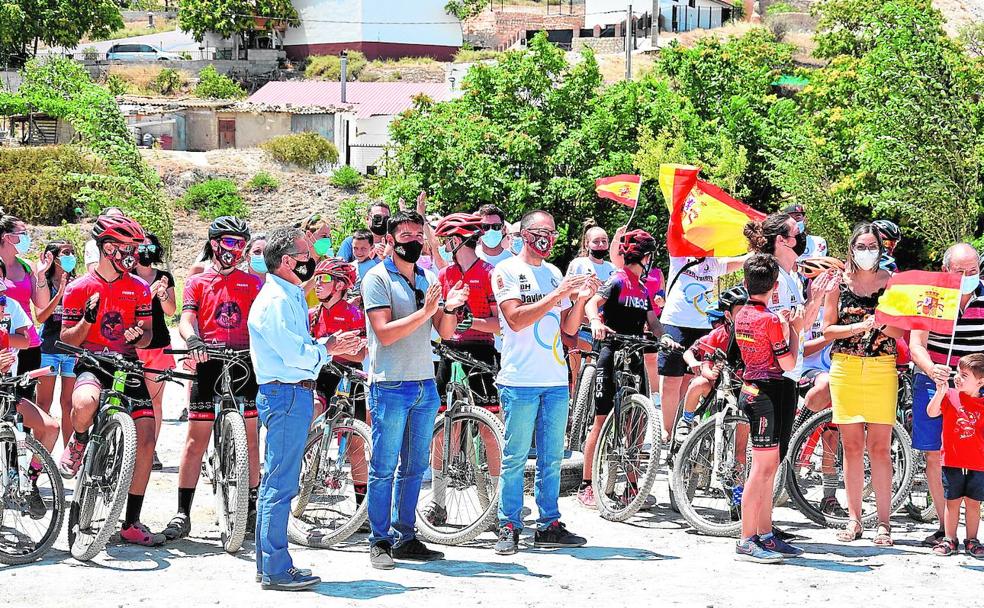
column 21, row 292
column 852, row 308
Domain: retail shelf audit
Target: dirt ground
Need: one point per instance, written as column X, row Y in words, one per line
column 651, row 560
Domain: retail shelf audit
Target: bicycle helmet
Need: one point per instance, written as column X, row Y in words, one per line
column 889, row 230
column 714, row 315
column 735, row 296
column 228, row 225
column 338, row 269
column 636, row 244
column 465, row 225
column 814, row 267
column 117, row 228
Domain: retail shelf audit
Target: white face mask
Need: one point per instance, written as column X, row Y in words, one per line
column 866, row 260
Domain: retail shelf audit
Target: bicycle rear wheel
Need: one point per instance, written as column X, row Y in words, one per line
column 809, row 457
column 624, row 466
column 462, row 498
column 25, row 538
column 583, row 407
column 919, row 506
column 230, row 475
column 331, row 504
column 102, row 488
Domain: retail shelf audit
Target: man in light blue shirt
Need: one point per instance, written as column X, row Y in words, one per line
column 286, row 360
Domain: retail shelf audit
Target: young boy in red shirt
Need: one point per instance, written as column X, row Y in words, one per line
column 963, row 453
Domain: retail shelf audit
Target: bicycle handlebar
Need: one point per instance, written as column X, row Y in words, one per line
column 25, row 378
column 344, row 370
column 108, row 360
column 214, row 351
column 446, row 352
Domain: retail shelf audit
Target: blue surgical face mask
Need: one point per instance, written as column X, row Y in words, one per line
column 446, row 255
column 801, row 226
column 24, row 244
column 257, row 263
column 516, row 245
column 492, row 238
column 67, row 262
column 969, row 284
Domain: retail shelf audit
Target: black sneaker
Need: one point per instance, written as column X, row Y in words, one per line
column 415, row 550
column 933, row 539
column 35, row 504
column 178, row 527
column 158, row 465
column 785, row 536
column 830, row 506
column 381, row 556
column 508, row 542
column 556, row 535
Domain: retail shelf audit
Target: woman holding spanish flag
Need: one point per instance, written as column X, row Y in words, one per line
column 863, row 380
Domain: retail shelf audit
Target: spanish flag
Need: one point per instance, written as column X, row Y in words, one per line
column 917, row 299
column 620, row 188
column 704, row 220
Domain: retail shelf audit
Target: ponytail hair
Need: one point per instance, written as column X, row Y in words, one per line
column 762, row 235
column 585, row 229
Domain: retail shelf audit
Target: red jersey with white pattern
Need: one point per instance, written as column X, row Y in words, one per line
column 221, row 303
column 342, row 316
column 481, row 300
column 761, row 341
column 963, row 431
column 122, row 303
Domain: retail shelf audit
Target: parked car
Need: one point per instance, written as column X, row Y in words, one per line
column 139, row 52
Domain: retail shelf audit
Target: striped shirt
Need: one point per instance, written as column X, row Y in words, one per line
column 968, row 337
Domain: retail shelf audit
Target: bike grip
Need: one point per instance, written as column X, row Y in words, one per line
column 176, row 351
column 40, row 372
column 68, row 348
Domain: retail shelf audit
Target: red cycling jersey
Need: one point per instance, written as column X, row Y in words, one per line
column 760, row 338
column 481, row 300
column 122, row 303
column 221, row 304
column 719, row 338
column 963, row 431
column 342, row 316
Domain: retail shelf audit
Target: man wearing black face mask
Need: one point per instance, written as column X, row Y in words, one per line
column 402, row 302
column 807, row 245
column 376, row 221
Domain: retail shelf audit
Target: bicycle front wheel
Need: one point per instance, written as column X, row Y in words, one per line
column 230, row 472
column 331, row 504
column 102, row 488
column 29, row 521
column 624, row 466
column 919, row 506
column 461, row 500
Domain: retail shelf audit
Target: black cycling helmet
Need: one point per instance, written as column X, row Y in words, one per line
column 889, row 230
column 228, row 224
column 736, row 296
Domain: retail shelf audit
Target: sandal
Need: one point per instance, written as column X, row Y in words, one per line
column 945, row 547
column 883, row 538
column 974, row 548
column 850, row 533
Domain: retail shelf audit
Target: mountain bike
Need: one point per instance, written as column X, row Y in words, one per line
column 329, row 507
column 27, row 475
column 462, row 498
column 582, row 405
column 623, row 468
column 107, row 465
column 226, row 463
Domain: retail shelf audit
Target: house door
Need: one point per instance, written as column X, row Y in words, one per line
column 227, row 133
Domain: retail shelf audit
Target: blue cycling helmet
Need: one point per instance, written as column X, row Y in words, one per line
column 714, row 315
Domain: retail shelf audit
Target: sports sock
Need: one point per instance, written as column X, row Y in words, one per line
column 134, row 504
column 185, row 498
column 829, row 485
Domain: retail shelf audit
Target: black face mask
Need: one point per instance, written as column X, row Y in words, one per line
column 146, row 259
column 409, row 251
column 598, row 254
column 304, row 270
column 800, row 246
column 378, row 225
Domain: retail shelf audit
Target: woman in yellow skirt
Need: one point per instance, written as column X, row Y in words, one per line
column 863, row 380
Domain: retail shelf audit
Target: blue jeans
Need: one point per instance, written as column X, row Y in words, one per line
column 527, row 410
column 403, row 416
column 285, row 410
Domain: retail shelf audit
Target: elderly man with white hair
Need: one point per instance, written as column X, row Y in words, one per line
column 936, row 361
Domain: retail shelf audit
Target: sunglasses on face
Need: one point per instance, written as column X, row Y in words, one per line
column 863, row 248
column 231, row 242
column 124, row 249
column 147, row 248
column 544, row 233
column 488, row 227
column 325, row 279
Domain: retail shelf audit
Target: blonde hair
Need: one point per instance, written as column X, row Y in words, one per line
column 589, row 225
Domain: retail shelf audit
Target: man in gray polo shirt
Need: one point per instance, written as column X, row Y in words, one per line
column 402, row 302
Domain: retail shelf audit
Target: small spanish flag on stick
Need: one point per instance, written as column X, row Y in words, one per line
column 620, row 188
column 917, row 299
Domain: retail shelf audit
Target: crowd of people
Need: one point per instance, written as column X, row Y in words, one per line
column 799, row 322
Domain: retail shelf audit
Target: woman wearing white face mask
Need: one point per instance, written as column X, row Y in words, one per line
column 863, row 380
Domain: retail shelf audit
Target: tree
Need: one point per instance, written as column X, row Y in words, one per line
column 24, row 24
column 229, row 18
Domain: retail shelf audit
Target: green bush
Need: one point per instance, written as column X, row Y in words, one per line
column 329, row 67
column 212, row 85
column 346, row 177
column 33, row 184
column 473, row 55
column 167, row 81
column 74, row 235
column 117, row 85
column 214, row 198
column 262, row 182
column 351, row 217
column 307, row 150
column 780, row 7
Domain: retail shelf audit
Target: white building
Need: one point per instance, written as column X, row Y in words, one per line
column 675, row 15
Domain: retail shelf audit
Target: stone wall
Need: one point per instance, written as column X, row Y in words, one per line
column 600, row 45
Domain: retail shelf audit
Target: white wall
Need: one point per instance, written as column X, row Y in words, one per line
column 447, row 33
column 602, row 6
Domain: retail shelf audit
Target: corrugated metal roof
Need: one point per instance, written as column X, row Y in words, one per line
column 364, row 98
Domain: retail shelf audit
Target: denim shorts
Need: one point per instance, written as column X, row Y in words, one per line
column 61, row 364
column 963, row 483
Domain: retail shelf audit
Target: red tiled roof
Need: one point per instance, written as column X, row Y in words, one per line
column 365, row 98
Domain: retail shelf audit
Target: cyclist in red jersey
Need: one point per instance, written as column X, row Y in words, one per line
column 333, row 277
column 478, row 322
column 110, row 309
column 216, row 306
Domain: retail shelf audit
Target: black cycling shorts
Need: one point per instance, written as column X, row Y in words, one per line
column 605, row 379
column 28, row 360
column 671, row 363
column 136, row 387
column 770, row 406
column 208, row 386
column 482, row 385
column 327, row 383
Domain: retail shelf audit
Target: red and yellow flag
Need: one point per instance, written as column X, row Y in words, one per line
column 917, row 299
column 620, row 188
column 704, row 220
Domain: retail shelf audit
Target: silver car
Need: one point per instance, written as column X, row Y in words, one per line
column 139, row 52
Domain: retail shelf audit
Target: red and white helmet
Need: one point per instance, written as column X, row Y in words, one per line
column 635, row 245
column 338, row 269
column 465, row 225
column 117, row 228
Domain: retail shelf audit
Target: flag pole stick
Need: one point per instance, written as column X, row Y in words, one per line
column 638, row 196
column 953, row 335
